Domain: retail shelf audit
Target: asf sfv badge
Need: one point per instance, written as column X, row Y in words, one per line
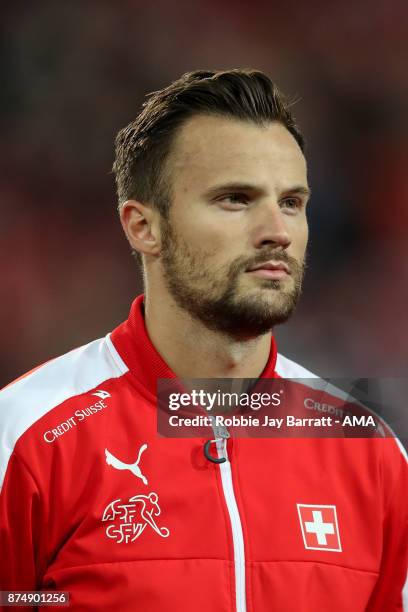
column 127, row 520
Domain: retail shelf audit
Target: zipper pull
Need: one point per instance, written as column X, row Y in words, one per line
column 208, row 455
column 221, row 434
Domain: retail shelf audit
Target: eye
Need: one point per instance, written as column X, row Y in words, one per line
column 234, row 199
column 292, row 204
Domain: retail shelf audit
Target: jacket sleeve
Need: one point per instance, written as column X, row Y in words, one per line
column 388, row 593
column 20, row 528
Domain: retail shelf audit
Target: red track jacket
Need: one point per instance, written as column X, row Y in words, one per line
column 93, row 502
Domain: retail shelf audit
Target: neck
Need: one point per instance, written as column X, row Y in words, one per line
column 194, row 351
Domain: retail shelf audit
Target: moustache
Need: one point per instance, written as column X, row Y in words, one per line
column 276, row 256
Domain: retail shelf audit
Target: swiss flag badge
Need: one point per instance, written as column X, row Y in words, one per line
column 320, row 529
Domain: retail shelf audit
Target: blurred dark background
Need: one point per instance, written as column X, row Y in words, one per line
column 73, row 73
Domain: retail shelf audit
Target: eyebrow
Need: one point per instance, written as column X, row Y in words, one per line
column 306, row 191
column 236, row 186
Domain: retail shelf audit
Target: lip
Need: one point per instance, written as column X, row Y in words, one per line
column 271, row 265
column 276, row 273
column 271, row 269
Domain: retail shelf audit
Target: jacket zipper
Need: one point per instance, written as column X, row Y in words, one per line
column 236, row 526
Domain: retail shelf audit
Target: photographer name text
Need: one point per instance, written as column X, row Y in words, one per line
column 277, row 423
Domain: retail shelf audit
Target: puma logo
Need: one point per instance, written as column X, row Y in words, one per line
column 132, row 467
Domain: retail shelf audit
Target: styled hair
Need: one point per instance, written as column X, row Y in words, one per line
column 143, row 146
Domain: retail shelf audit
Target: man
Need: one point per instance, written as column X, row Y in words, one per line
column 212, row 186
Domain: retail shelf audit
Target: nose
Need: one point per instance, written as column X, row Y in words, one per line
column 271, row 228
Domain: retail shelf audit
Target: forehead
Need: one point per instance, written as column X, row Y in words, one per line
column 211, row 149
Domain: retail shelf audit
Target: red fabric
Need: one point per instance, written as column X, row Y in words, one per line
column 56, row 496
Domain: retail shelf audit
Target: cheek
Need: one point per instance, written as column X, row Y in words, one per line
column 203, row 237
column 306, row 236
column 300, row 236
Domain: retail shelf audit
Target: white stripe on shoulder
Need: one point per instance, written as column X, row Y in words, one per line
column 28, row 399
column 289, row 369
column 404, row 454
column 286, row 368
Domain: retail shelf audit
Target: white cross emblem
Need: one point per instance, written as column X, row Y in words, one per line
column 320, row 530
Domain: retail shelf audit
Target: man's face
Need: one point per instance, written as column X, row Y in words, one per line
column 239, row 193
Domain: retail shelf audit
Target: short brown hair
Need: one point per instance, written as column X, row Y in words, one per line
column 143, row 146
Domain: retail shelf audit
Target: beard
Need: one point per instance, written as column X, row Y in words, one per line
column 211, row 295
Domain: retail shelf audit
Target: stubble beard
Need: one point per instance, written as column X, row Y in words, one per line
column 212, row 295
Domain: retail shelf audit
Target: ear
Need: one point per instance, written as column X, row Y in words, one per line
column 141, row 226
